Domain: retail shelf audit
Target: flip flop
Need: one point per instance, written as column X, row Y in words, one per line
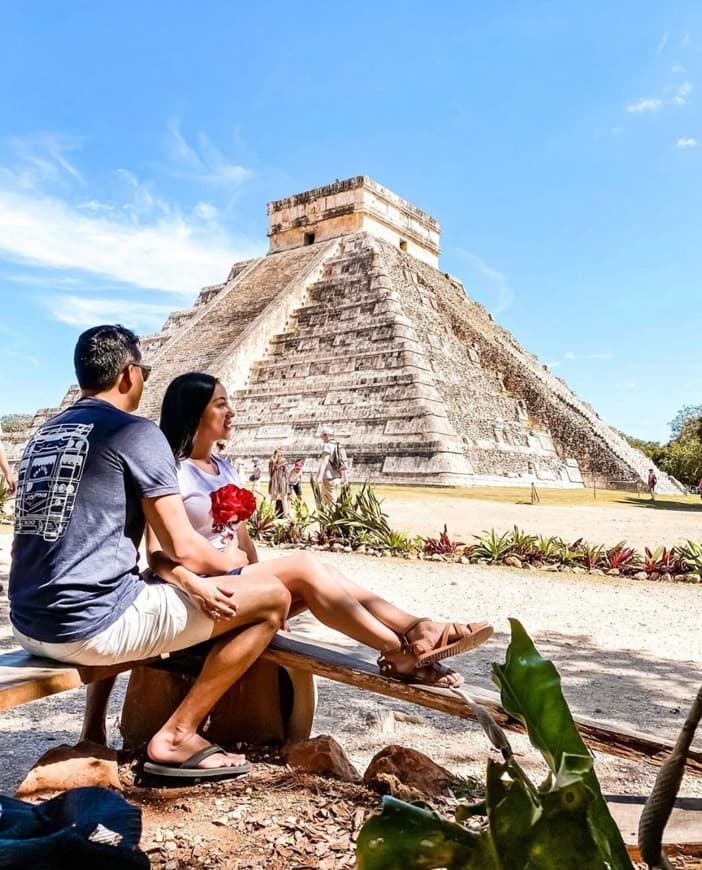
column 469, row 636
column 189, row 770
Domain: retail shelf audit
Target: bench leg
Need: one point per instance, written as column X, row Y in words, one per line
column 268, row 704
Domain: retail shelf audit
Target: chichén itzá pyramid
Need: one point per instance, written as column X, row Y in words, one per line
column 348, row 323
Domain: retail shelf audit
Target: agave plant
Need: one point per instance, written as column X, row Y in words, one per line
column 546, row 548
column 492, row 546
column 691, row 556
column 523, row 544
column 261, row 522
column 568, row 554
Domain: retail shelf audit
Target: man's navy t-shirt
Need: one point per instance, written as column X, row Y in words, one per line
column 79, row 520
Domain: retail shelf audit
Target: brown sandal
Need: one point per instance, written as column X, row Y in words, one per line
column 423, row 675
column 468, row 637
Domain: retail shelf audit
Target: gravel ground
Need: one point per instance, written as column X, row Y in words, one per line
column 628, row 653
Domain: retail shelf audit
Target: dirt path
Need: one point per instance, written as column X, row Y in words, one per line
column 628, row 652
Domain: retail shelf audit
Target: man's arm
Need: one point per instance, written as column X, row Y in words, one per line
column 246, row 544
column 5, row 468
column 214, row 599
column 181, row 543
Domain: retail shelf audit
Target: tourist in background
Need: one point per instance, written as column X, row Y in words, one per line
column 332, row 467
column 295, row 478
column 5, row 467
column 651, row 484
column 278, row 483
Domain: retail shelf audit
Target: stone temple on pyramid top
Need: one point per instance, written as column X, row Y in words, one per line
column 348, row 324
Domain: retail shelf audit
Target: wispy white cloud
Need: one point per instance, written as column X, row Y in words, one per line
column 683, row 93
column 496, row 280
column 655, row 104
column 570, row 356
column 40, row 159
column 645, row 104
column 139, row 238
column 174, row 254
column 202, row 161
column 677, row 68
column 662, row 42
column 81, row 311
column 686, row 142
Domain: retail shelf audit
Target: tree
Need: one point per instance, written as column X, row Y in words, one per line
column 687, row 412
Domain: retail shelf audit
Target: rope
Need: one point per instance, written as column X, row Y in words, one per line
column 660, row 803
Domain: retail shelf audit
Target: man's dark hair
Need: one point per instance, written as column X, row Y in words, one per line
column 101, row 353
column 185, row 400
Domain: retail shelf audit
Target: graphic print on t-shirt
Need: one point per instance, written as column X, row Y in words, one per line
column 49, row 476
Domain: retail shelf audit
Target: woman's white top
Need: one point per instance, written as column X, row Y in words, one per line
column 195, row 488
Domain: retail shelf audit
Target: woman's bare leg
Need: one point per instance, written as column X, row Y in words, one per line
column 307, row 579
column 263, row 604
column 347, row 607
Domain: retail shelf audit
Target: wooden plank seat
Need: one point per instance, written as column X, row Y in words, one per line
column 25, row 678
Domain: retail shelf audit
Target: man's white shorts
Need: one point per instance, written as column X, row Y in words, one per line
column 161, row 619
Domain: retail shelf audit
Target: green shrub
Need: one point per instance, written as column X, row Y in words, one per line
column 563, row 822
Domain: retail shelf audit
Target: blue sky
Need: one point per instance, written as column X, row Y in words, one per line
column 558, row 143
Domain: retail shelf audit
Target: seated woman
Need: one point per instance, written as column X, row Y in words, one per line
column 195, row 414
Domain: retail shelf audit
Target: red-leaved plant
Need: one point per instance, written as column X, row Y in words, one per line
column 231, row 504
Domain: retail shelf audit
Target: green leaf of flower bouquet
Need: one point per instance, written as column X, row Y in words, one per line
column 404, row 836
column 531, row 692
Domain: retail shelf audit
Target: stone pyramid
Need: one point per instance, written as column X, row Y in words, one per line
column 348, row 323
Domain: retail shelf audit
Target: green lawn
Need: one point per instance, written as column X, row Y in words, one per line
column 555, row 497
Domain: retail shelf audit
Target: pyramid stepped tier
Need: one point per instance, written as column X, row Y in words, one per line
column 347, row 324
column 351, row 359
column 223, row 314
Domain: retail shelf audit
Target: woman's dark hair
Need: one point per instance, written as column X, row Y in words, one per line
column 185, row 400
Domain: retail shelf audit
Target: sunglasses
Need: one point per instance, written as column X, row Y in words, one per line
column 145, row 370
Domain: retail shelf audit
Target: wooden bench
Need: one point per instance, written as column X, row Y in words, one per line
column 25, row 678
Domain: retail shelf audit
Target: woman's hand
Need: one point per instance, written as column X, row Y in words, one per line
column 213, row 599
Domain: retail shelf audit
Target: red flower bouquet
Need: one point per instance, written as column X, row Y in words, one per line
column 231, row 504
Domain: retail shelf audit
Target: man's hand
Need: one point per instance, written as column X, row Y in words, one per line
column 241, row 559
column 214, row 600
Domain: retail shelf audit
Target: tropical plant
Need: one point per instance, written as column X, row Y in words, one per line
column 622, row 557
column 492, row 546
column 547, row 548
column 261, row 522
column 443, row 545
column 397, row 542
column 662, row 561
column 4, row 494
column 568, row 554
column 592, row 555
column 691, row 556
column 563, row 822
column 523, row 544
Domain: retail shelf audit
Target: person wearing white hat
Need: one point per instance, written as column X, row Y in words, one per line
column 332, row 467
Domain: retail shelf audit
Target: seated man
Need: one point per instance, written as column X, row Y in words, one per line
column 89, row 479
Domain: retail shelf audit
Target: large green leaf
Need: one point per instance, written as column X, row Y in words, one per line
column 531, row 692
column 405, row 836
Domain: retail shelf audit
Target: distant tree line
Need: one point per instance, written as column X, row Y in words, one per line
column 15, row 422
column 682, row 455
